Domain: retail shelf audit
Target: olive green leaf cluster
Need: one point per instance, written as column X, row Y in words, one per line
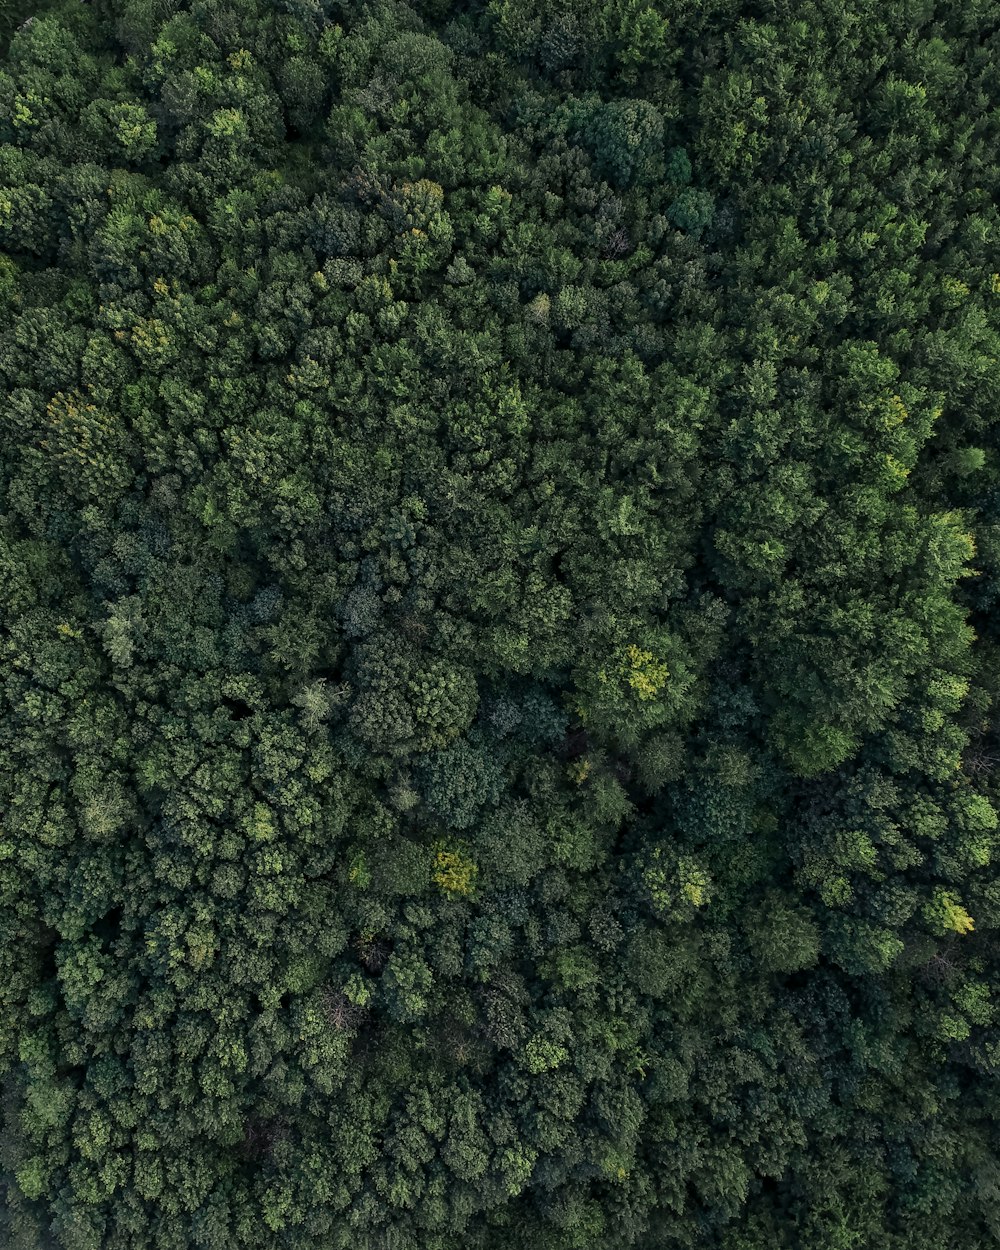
column 499, row 674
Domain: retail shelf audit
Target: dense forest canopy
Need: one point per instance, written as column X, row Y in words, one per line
column 500, row 690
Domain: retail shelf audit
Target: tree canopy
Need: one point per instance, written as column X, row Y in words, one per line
column 499, row 677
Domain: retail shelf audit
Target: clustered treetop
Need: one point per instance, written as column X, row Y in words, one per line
column 499, row 677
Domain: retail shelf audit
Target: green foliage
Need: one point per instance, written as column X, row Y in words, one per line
column 783, row 938
column 499, row 683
